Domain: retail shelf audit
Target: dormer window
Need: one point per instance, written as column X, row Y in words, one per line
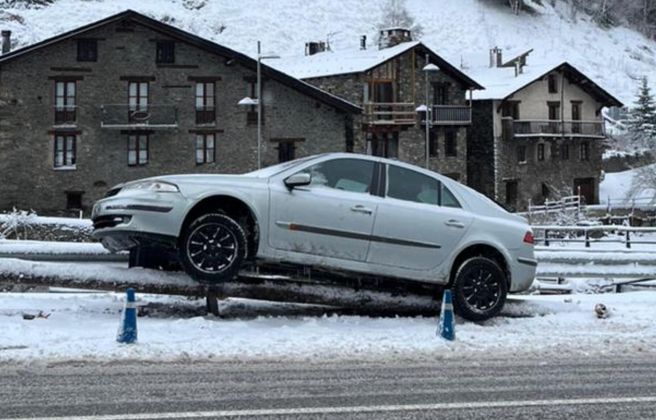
column 87, row 49
column 166, row 52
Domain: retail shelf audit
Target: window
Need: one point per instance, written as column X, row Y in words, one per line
column 406, row 184
column 564, row 151
column 165, row 52
column 205, row 111
column 73, row 200
column 541, row 152
column 205, row 148
column 510, row 109
column 137, row 149
column 512, row 192
column 432, row 144
column 521, row 154
column 352, row 175
column 447, row 199
column 450, row 143
column 584, row 151
column 87, row 50
column 441, row 93
column 64, row 103
column 552, row 81
column 137, row 100
column 251, row 115
column 65, row 150
column 286, row 151
column 576, row 116
column 383, row 144
column 554, row 110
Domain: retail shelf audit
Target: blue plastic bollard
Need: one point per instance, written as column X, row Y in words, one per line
column 447, row 325
column 127, row 330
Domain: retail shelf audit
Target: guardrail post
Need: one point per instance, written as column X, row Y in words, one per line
column 546, row 237
column 628, row 239
column 587, row 238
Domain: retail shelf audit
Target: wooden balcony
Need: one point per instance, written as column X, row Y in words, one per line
column 552, row 128
column 389, row 113
column 452, row 115
column 124, row 116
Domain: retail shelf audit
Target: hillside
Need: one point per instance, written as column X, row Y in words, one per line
column 614, row 57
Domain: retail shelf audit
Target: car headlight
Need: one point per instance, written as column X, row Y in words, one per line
column 154, row 186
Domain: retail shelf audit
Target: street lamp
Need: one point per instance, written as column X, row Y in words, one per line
column 428, row 68
column 247, row 101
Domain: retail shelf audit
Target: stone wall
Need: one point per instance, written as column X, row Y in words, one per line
column 29, row 180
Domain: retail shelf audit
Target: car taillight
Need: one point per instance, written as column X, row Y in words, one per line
column 528, row 238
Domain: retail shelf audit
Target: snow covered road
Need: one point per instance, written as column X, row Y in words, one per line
column 83, row 327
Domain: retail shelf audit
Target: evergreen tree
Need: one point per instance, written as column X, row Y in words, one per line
column 642, row 123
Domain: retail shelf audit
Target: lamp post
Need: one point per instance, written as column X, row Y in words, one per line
column 247, row 101
column 428, row 68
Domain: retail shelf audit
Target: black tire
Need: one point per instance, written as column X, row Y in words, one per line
column 479, row 289
column 212, row 248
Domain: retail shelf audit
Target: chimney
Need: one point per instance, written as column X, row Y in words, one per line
column 6, row 41
column 312, row 48
column 496, row 59
column 393, row 36
column 363, row 42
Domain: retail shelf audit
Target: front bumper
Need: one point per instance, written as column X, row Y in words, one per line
column 136, row 219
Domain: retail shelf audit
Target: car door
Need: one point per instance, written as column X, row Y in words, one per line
column 418, row 223
column 333, row 216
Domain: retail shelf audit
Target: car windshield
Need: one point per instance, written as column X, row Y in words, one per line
column 276, row 169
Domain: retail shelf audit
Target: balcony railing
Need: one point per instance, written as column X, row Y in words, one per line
column 390, row 113
column 451, row 115
column 124, row 116
column 65, row 115
column 554, row 128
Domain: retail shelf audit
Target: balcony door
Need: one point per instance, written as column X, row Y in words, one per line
column 576, row 117
column 382, row 92
column 138, row 101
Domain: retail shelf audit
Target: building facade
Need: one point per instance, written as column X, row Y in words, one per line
column 390, row 81
column 538, row 133
column 130, row 97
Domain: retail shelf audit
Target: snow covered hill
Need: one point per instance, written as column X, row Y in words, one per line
column 614, row 57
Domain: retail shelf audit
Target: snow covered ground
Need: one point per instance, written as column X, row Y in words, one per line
column 620, row 189
column 83, row 326
column 616, row 57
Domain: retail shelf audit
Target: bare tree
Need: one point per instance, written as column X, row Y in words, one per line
column 395, row 14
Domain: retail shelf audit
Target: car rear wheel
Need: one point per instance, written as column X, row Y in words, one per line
column 480, row 288
column 213, row 248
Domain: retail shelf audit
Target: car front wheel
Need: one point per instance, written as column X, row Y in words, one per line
column 480, row 288
column 213, row 248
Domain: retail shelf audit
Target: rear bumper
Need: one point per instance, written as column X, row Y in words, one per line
column 523, row 273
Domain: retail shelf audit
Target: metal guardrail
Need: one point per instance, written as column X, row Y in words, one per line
column 124, row 116
column 583, row 235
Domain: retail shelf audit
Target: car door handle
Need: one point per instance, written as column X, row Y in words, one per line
column 454, row 223
column 361, row 209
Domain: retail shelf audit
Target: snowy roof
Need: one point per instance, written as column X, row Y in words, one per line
column 333, row 63
column 501, row 82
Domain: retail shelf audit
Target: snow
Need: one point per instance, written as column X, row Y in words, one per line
column 83, row 326
column 618, row 187
column 615, row 58
column 50, row 247
column 33, row 219
column 332, row 63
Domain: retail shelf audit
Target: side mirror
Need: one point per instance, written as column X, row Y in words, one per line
column 298, row 180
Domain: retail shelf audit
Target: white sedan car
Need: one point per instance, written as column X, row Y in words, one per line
column 353, row 213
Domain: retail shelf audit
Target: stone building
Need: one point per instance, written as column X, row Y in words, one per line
column 129, row 97
column 538, row 131
column 390, row 81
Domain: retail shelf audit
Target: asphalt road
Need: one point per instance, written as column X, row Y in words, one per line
column 510, row 389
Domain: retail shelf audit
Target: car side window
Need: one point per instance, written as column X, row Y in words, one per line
column 408, row 185
column 448, row 199
column 352, row 175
